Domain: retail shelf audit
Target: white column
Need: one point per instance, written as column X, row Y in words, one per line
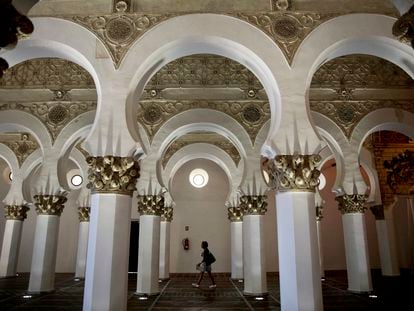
column 148, row 255
column 255, row 282
column 42, row 271
column 236, row 250
column 164, row 268
column 356, row 249
column 10, row 248
column 106, row 282
column 82, row 249
column 299, row 270
column 320, row 246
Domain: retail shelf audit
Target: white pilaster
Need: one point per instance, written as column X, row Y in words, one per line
column 299, row 267
column 356, row 248
column 106, row 282
column 148, row 255
column 236, row 250
column 10, row 248
column 164, row 250
column 82, row 249
column 320, row 246
column 387, row 247
column 42, row 271
column 254, row 264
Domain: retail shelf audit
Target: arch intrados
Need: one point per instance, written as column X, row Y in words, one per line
column 9, row 157
column 200, row 34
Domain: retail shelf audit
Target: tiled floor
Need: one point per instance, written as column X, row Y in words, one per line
column 178, row 294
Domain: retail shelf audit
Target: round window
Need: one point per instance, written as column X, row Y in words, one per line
column 76, row 180
column 322, row 181
column 198, row 178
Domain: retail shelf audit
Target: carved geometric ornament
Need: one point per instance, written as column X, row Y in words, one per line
column 400, row 170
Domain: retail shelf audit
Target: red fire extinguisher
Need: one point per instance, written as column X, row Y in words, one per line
column 186, row 244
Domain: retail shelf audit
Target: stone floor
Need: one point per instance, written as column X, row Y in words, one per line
column 178, row 294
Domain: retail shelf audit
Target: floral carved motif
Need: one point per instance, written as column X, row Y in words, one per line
column 235, row 213
column 111, row 174
column 253, row 204
column 151, row 205
column 163, row 110
column 83, row 213
column 16, row 212
column 22, row 144
column 287, row 29
column 118, row 31
column 50, row 204
column 351, row 203
column 294, row 172
column 167, row 214
column 404, row 27
column 400, row 170
column 208, row 138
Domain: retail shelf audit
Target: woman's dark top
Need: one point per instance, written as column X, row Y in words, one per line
column 206, row 257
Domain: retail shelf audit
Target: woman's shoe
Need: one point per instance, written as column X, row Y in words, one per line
column 195, row 285
column 213, row 286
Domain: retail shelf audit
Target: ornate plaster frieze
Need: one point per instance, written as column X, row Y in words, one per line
column 16, row 212
column 347, row 114
column 110, row 174
column 151, row 205
column 378, row 212
column 54, row 115
column 250, row 114
column 281, row 5
column 403, row 28
column 294, row 172
column 360, row 71
column 253, row 204
column 208, row 138
column 319, row 209
column 167, row 214
column 49, row 204
column 287, row 29
column 22, row 144
column 235, row 213
column 47, row 73
column 120, row 30
column 352, row 203
column 400, row 171
column 83, row 213
column 204, row 70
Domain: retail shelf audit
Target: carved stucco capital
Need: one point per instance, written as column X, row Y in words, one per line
column 253, row 204
column 351, row 203
column 110, row 174
column 49, row 204
column 378, row 212
column 294, row 172
column 16, row 212
column 84, row 213
column 150, row 205
column 235, row 213
column 403, row 28
column 319, row 209
column 167, row 214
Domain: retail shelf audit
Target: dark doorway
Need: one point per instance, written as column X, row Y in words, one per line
column 133, row 247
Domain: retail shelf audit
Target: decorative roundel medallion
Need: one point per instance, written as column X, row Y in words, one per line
column 119, row 30
column 57, row 114
column 251, row 114
column 286, row 27
column 152, row 114
column 346, row 114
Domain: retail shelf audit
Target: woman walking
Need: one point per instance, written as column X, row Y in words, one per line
column 205, row 265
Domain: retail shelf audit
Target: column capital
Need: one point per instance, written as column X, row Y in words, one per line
column 403, row 28
column 49, row 204
column 378, row 211
column 351, row 203
column 235, row 213
column 83, row 213
column 294, row 172
column 150, row 205
column 16, row 212
column 319, row 215
column 167, row 214
column 253, row 204
column 111, row 174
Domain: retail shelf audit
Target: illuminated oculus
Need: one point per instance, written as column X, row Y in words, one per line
column 198, row 178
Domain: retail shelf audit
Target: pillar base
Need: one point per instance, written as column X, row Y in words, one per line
column 255, row 294
column 146, row 294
